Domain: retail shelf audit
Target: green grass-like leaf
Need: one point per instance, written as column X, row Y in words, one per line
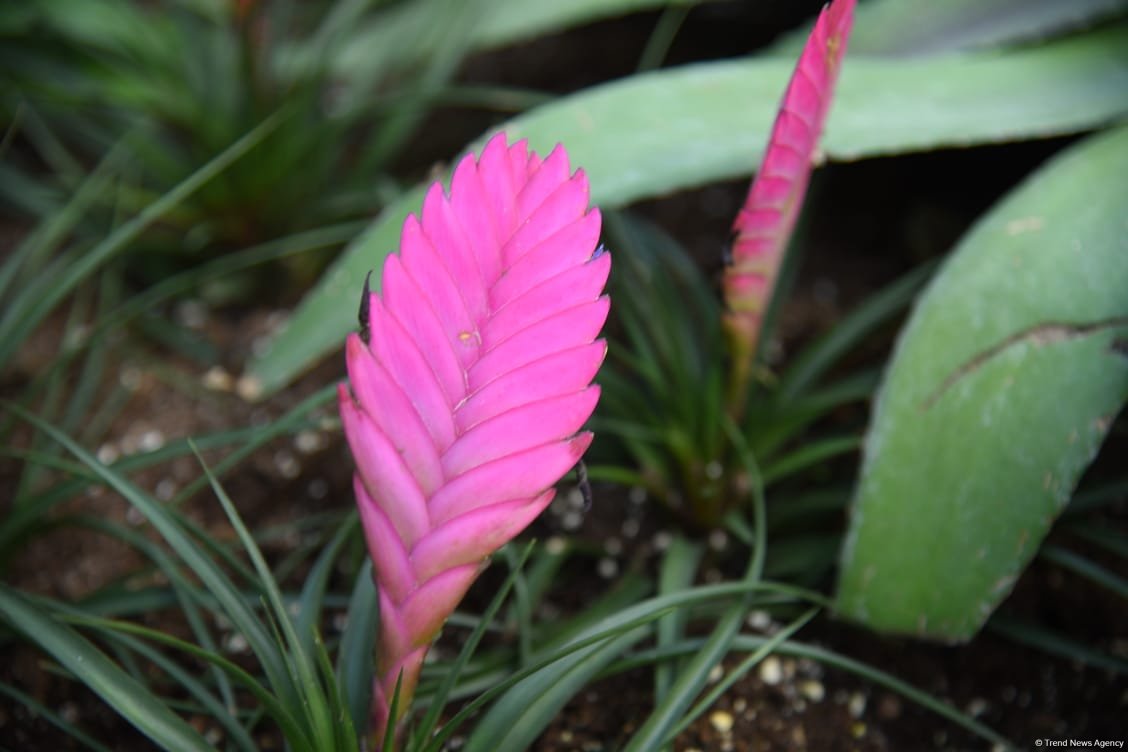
column 194, row 557
column 695, row 674
column 37, row 300
column 325, row 725
column 355, row 653
column 124, row 694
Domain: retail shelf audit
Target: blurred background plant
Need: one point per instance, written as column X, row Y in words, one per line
column 159, row 161
column 175, row 83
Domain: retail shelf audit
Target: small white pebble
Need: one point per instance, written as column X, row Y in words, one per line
column 608, row 568
column 977, row 707
column 287, row 464
column 714, row 470
column 856, row 705
column 739, row 705
column 722, row 721
column 630, row 527
column 575, row 498
column 759, row 620
column 716, row 673
column 718, row 540
column 556, row 545
column 235, row 643
column 108, row 453
column 151, row 441
column 813, row 690
column 218, row 380
column 308, row 442
column 662, row 540
column 572, row 520
column 249, row 388
column 637, row 495
column 771, row 671
column 130, row 378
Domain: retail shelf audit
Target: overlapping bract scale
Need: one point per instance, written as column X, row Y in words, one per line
column 465, row 404
column 764, row 225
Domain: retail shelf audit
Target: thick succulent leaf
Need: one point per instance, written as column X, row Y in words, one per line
column 501, row 22
column 908, row 28
column 464, row 324
column 651, row 134
column 764, row 224
column 1002, row 387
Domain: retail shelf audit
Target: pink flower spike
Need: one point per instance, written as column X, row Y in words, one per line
column 467, row 395
column 765, row 223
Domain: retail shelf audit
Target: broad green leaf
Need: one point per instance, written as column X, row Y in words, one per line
column 655, row 133
column 1001, row 389
column 927, row 27
column 502, row 22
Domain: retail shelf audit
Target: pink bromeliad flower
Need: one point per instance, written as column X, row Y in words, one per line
column 468, row 386
column 764, row 225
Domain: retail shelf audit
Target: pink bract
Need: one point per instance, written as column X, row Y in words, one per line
column 764, row 225
column 465, row 403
